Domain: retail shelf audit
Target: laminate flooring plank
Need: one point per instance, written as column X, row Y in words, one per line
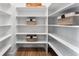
column 32, row 52
column 23, row 52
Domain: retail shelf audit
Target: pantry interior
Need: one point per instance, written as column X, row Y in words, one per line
column 51, row 26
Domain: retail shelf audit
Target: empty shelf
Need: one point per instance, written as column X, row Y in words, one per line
column 30, row 16
column 61, row 9
column 72, row 26
column 6, row 25
column 61, row 49
column 31, row 33
column 29, row 25
column 4, row 50
column 30, row 29
column 76, row 49
column 7, row 36
column 5, row 12
column 36, row 12
column 20, row 42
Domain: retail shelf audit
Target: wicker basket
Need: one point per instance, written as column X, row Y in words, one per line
column 65, row 21
column 31, row 38
column 31, row 22
column 33, row 5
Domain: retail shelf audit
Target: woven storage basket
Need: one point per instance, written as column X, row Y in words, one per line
column 31, row 22
column 71, row 18
column 65, row 21
column 33, row 5
column 31, row 38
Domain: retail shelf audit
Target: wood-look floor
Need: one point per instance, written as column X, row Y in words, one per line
column 32, row 52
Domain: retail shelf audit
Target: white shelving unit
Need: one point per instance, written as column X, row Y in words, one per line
column 6, row 27
column 63, row 39
column 40, row 29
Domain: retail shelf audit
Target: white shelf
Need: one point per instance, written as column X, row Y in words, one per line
column 73, row 26
column 4, row 50
column 5, row 7
column 31, row 16
column 57, row 51
column 75, row 49
column 61, row 49
column 25, row 16
column 6, row 25
column 5, row 12
column 29, row 25
column 31, row 33
column 31, row 8
column 61, row 9
column 7, row 36
column 41, row 42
